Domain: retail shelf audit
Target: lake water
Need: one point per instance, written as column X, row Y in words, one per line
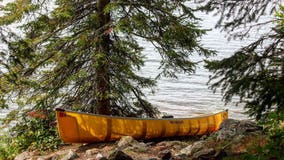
column 189, row 95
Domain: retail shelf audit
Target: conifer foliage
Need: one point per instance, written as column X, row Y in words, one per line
column 85, row 54
column 255, row 72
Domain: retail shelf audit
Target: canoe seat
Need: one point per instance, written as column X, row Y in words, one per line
column 167, row 116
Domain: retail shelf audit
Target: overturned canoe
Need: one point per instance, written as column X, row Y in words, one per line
column 77, row 127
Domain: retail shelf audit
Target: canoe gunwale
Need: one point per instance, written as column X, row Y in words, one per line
column 135, row 118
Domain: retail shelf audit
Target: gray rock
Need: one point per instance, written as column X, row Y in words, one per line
column 150, row 143
column 196, row 146
column 248, row 126
column 231, row 128
column 206, row 153
column 228, row 123
column 191, row 149
column 49, row 157
column 70, row 155
column 228, row 129
column 125, row 142
column 99, row 156
column 119, row 155
column 186, row 150
column 140, row 147
column 22, row 156
column 163, row 143
column 91, row 152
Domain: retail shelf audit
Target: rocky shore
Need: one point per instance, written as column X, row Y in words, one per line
column 234, row 139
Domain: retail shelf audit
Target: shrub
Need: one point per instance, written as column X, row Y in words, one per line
column 275, row 132
column 273, row 149
column 31, row 132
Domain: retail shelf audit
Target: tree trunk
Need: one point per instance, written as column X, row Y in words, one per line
column 102, row 69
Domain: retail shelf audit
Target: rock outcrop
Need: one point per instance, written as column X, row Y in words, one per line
column 230, row 129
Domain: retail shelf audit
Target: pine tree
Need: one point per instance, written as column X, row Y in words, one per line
column 254, row 72
column 85, row 54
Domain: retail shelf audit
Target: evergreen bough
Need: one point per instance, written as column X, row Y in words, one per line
column 85, row 54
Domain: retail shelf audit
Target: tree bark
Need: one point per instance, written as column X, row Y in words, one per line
column 102, row 70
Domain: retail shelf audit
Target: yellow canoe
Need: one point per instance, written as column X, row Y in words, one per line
column 78, row 127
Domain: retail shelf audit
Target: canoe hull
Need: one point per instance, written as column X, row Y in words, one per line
column 77, row 127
